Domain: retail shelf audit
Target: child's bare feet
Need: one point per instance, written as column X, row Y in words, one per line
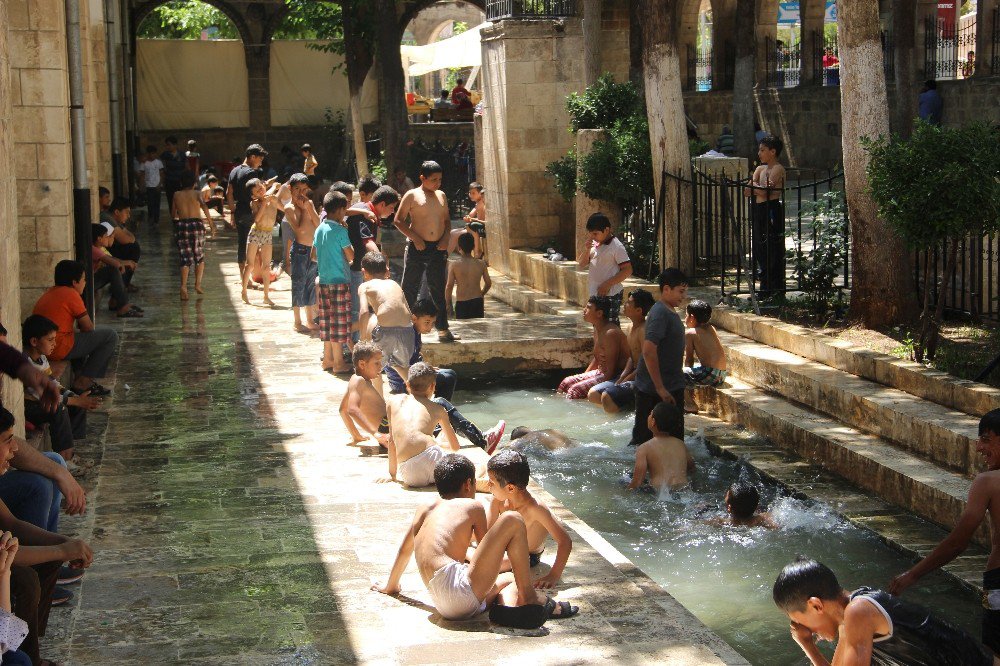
column 198, row 289
column 244, row 297
column 302, row 328
column 268, row 301
column 184, row 293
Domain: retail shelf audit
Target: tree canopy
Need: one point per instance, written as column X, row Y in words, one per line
column 188, row 19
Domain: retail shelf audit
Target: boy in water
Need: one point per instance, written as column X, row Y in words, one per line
column 471, row 278
column 301, row 216
column 615, row 395
column 768, row 239
column 984, row 497
column 610, row 350
column 333, row 252
column 264, row 205
column 664, row 457
column 742, row 499
column 702, row 341
column 363, row 408
column 869, row 626
column 508, row 482
column 392, row 327
column 424, row 219
column 439, row 537
column 190, row 215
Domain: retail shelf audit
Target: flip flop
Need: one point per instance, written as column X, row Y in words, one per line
column 565, row 609
column 531, row 616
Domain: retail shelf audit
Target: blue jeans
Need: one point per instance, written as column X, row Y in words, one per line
column 356, row 279
column 15, row 658
column 461, row 424
column 32, row 497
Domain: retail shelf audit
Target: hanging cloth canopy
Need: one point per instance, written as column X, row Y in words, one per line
column 459, row 51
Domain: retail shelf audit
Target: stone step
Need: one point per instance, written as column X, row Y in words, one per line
column 528, row 300
column 896, row 527
column 931, row 431
column 896, row 475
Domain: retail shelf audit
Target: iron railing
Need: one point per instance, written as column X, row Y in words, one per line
column 529, row 9
column 995, row 44
column 458, row 169
column 888, row 55
column 826, row 60
column 783, row 64
column 699, row 70
column 947, row 45
column 975, row 287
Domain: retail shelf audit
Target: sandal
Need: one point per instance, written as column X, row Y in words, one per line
column 130, row 314
column 565, row 609
column 95, row 390
column 447, row 336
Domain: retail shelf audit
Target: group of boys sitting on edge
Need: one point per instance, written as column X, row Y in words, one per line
column 35, row 561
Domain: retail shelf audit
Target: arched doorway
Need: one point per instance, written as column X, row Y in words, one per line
column 435, row 23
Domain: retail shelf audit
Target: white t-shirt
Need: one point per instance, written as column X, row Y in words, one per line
column 605, row 260
column 151, row 172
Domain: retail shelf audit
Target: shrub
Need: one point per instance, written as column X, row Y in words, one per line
column 818, row 267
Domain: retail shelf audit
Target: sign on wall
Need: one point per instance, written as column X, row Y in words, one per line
column 788, row 12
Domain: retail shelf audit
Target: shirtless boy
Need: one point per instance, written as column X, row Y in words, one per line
column 423, row 218
column 264, row 205
column 391, row 326
column 702, row 341
column 509, row 474
column 301, row 215
column 439, row 537
column 984, row 497
column 665, row 458
column 615, row 395
column 363, row 408
column 190, row 214
column 475, row 221
column 869, row 626
column 470, row 278
column 610, row 351
column 309, row 162
column 213, row 199
column 742, row 500
column 768, row 238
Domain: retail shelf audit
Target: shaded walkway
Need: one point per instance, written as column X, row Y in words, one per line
column 233, row 526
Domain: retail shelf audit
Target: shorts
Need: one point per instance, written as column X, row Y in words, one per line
column 304, row 271
column 474, row 308
column 418, row 471
column 190, row 240
column 259, row 238
column 534, row 559
column 576, row 387
column 451, row 591
column 478, row 227
column 397, row 344
column 701, row 375
column 334, row 313
column 621, row 394
column 991, row 617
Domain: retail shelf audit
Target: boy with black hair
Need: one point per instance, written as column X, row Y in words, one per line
column 424, row 219
column 869, row 626
column 190, row 216
column 610, row 350
column 742, row 500
column 310, row 162
column 508, row 482
column 174, row 164
column 69, row 421
column 440, row 536
column 363, row 408
column 332, row 251
column 367, row 187
column 702, row 341
column 768, row 240
column 362, row 225
column 470, row 277
column 984, row 497
column 664, row 457
column 213, row 199
column 260, row 241
column 617, row 394
column 390, row 325
column 111, row 271
column 660, row 377
column 302, row 218
column 238, row 195
column 151, row 169
column 475, row 221
column 608, row 261
column 125, row 246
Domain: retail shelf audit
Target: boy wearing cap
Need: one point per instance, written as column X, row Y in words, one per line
column 108, row 270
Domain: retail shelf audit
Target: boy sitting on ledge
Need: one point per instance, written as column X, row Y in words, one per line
column 702, row 340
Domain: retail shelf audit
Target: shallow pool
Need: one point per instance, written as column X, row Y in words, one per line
column 723, row 575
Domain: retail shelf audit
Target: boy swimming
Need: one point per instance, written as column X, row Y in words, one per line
column 742, row 499
column 664, row 458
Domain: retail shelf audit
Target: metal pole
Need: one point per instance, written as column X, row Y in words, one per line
column 78, row 122
column 112, row 38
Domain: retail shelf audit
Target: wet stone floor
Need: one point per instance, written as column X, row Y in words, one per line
column 232, row 525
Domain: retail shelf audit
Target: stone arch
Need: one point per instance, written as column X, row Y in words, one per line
column 687, row 17
column 143, row 10
column 411, row 9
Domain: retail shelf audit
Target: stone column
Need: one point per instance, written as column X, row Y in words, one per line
column 767, row 33
column 259, row 86
column 585, row 206
column 987, row 62
column 42, row 145
column 591, row 41
column 723, row 45
column 11, row 394
column 812, row 13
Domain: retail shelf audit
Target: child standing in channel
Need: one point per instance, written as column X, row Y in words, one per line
column 702, row 340
column 609, row 263
column 471, row 278
column 333, row 253
column 264, row 205
column 664, row 458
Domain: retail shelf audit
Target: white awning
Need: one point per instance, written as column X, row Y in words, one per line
column 459, row 51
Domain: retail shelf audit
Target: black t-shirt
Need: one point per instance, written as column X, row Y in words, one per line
column 359, row 233
column 174, row 165
column 238, row 178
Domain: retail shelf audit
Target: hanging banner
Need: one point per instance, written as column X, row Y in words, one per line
column 788, row 12
column 947, row 14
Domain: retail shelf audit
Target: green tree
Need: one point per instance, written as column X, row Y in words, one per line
column 936, row 188
column 309, row 19
column 186, row 19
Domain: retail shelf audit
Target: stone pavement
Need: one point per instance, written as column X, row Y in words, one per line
column 231, row 524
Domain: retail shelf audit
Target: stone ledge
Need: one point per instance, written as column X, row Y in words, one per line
column 947, row 390
column 562, row 279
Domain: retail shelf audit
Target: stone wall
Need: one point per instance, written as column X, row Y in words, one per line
column 529, row 67
column 10, row 298
column 614, row 38
column 42, row 145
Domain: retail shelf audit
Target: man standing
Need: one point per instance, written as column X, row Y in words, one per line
column 930, row 106
column 238, row 196
column 174, row 164
column 423, row 218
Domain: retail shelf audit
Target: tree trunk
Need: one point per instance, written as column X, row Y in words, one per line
column 904, row 28
column 392, row 87
column 881, row 292
column 661, row 67
column 358, row 61
column 635, row 43
column 950, row 264
column 743, row 105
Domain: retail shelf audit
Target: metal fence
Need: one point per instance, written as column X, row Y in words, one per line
column 529, row 9
column 975, row 286
column 783, row 64
column 947, row 46
column 888, row 55
column 995, row 44
column 826, row 60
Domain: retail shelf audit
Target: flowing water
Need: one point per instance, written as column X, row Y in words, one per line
column 721, row 574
